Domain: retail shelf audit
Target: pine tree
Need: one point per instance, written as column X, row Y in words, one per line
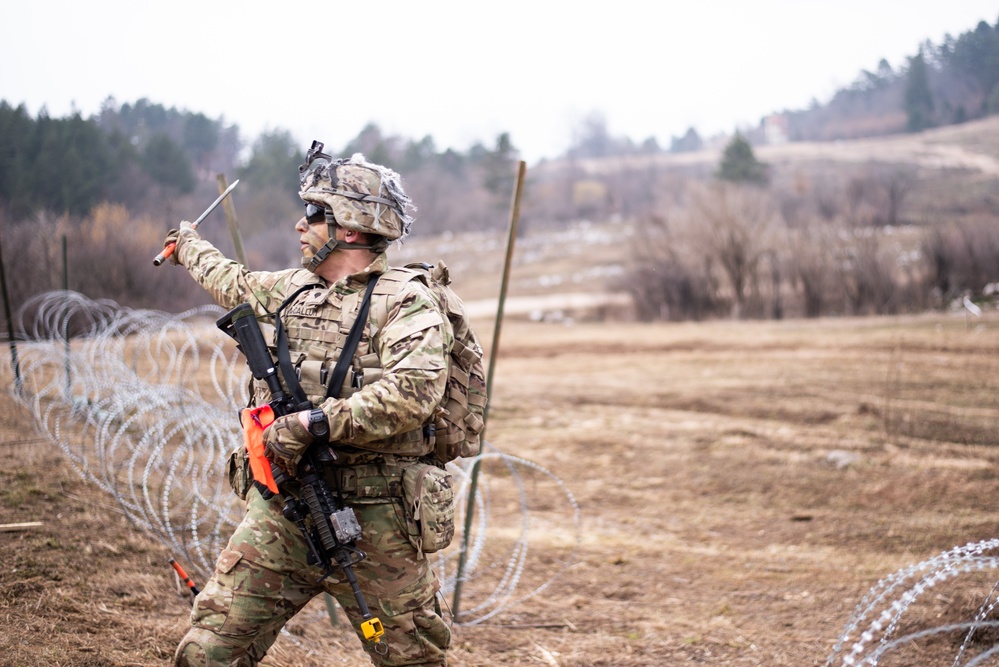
column 274, row 160
column 918, row 98
column 167, row 163
column 739, row 164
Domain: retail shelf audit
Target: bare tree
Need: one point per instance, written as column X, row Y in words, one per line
column 734, row 225
column 813, row 251
column 669, row 279
column 877, row 196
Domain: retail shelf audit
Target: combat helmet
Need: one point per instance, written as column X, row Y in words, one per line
column 355, row 194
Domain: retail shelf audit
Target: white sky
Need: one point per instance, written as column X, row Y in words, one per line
column 462, row 71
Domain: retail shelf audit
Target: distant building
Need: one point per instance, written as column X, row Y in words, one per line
column 775, row 129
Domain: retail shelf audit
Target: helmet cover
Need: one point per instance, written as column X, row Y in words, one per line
column 361, row 196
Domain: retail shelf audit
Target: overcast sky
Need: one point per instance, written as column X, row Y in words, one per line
column 462, row 71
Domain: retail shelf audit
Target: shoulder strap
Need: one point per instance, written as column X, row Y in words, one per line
column 350, row 346
column 389, row 285
column 283, row 355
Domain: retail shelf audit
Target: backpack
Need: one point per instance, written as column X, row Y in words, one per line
column 459, row 419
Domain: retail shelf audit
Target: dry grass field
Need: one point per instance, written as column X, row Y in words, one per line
column 741, row 486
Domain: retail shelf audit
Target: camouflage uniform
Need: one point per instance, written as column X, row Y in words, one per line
column 262, row 578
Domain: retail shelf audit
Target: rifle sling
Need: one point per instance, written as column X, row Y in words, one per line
column 350, row 345
column 283, row 355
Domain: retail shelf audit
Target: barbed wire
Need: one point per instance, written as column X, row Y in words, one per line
column 895, row 594
column 144, row 405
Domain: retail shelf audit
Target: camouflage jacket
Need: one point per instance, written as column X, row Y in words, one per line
column 399, row 371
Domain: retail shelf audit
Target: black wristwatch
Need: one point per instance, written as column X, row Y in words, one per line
column 319, row 426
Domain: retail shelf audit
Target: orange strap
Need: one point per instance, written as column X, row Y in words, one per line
column 254, row 421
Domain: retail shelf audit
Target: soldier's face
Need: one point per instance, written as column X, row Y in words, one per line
column 313, row 232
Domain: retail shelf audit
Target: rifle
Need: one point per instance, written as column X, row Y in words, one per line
column 334, row 528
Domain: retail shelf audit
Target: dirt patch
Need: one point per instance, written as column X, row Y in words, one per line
column 741, row 487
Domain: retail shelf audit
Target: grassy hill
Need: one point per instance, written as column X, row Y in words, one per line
column 896, row 189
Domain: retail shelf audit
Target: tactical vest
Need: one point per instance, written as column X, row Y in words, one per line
column 317, row 323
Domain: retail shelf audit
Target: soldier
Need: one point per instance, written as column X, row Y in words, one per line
column 353, row 210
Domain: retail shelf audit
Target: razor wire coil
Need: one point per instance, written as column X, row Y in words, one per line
column 143, row 405
column 895, row 594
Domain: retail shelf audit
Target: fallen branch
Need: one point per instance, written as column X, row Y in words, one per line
column 17, row 527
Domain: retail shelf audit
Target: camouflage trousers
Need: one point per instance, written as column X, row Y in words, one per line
column 262, row 579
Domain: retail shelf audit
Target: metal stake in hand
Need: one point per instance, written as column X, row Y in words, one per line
column 167, row 251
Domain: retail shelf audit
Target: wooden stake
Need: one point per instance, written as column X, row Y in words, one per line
column 230, row 218
column 518, row 191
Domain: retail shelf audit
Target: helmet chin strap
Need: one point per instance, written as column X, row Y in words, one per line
column 332, row 245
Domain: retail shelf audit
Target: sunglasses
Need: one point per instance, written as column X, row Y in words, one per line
column 314, row 213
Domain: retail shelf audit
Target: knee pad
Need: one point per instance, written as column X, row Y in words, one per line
column 190, row 653
column 204, row 648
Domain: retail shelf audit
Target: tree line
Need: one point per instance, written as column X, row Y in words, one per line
column 740, row 239
column 132, row 155
column 143, row 155
column 941, row 84
column 115, row 183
